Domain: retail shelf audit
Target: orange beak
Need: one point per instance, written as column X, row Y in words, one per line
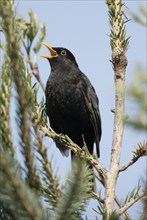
column 52, row 51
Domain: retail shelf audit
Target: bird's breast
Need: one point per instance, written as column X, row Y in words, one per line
column 64, row 94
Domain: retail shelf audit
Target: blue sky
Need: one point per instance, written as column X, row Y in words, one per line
column 83, row 28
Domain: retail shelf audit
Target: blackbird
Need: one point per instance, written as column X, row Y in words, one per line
column 71, row 102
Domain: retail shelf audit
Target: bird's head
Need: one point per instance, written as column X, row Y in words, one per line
column 59, row 55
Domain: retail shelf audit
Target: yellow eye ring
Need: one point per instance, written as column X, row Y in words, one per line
column 63, row 52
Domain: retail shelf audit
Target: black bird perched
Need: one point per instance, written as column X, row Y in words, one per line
column 71, row 101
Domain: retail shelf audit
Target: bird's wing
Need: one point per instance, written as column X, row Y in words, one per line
column 91, row 102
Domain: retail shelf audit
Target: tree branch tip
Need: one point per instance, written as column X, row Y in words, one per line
column 131, row 202
column 141, row 148
column 140, row 151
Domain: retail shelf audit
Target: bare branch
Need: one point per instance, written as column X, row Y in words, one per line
column 125, row 214
column 35, row 72
column 98, row 197
column 119, row 45
column 131, row 162
column 141, row 150
column 130, row 203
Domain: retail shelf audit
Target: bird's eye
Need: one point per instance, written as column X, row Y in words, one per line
column 63, row 52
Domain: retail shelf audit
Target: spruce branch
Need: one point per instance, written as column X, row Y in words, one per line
column 5, row 94
column 51, row 187
column 131, row 202
column 77, row 191
column 67, row 142
column 82, row 153
column 41, row 38
column 133, row 194
column 141, row 150
column 125, row 214
column 22, row 81
column 52, row 181
column 40, row 119
column 144, row 202
column 118, row 38
column 15, row 195
column 119, row 44
column 28, row 30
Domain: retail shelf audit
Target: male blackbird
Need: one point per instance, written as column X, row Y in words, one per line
column 71, row 101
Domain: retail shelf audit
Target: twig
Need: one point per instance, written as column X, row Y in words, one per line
column 125, row 214
column 18, row 189
column 98, row 197
column 130, row 203
column 131, row 162
column 17, row 67
column 67, row 142
column 35, row 72
column 77, row 150
column 46, row 164
column 100, row 179
column 141, row 151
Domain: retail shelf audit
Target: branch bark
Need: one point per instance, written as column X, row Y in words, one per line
column 67, row 142
column 125, row 214
column 130, row 203
column 141, row 150
column 119, row 61
column 130, row 163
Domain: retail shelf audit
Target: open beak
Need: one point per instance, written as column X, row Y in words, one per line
column 52, row 51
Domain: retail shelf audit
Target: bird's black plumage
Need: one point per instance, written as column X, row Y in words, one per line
column 71, row 101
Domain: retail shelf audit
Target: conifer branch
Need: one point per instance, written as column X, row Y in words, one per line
column 77, row 191
column 80, row 152
column 67, row 142
column 119, row 45
column 15, row 193
column 131, row 202
column 125, row 214
column 140, row 151
column 19, row 79
column 5, row 133
column 72, row 201
column 52, row 181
